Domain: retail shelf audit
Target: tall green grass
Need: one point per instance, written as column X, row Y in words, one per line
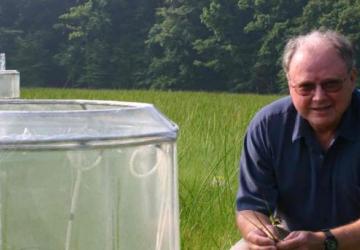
column 212, row 126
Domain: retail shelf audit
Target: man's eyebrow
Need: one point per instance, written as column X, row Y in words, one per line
column 306, row 82
column 332, row 78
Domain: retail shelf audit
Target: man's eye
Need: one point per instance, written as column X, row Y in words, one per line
column 332, row 84
column 306, row 87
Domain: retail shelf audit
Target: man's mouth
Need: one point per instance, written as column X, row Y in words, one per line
column 321, row 109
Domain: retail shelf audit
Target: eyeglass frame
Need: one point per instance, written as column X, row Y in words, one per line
column 313, row 85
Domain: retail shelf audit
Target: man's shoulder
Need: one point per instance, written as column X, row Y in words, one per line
column 279, row 109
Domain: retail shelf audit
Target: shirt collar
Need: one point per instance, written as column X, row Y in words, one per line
column 301, row 128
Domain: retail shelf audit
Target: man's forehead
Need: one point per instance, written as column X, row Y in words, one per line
column 315, row 45
column 316, row 62
column 313, row 54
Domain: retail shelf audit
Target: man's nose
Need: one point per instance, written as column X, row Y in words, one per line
column 319, row 92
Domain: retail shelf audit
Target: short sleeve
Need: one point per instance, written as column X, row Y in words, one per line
column 257, row 183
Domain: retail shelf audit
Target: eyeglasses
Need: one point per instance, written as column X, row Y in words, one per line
column 329, row 86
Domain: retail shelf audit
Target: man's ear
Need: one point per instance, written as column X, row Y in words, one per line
column 288, row 81
column 287, row 76
column 353, row 76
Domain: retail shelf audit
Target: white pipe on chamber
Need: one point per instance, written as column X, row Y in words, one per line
column 2, row 62
column 77, row 162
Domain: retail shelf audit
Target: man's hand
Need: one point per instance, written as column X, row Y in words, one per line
column 257, row 239
column 302, row 240
column 251, row 225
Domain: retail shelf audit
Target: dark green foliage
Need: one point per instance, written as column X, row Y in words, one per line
column 171, row 45
column 86, row 50
column 213, row 45
column 28, row 38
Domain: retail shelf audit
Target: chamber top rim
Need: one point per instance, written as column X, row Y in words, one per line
column 80, row 120
column 113, row 105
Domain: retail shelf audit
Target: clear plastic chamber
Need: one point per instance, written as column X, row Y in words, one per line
column 87, row 175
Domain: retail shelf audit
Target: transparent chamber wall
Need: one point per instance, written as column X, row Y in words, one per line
column 116, row 198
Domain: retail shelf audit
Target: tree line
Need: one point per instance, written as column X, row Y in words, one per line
column 211, row 45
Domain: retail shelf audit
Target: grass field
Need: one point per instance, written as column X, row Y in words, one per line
column 212, row 127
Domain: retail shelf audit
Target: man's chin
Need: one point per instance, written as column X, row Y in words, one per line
column 322, row 123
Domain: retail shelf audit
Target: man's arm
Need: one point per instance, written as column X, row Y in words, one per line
column 348, row 237
column 255, row 237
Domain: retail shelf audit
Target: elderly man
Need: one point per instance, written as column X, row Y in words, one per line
column 301, row 154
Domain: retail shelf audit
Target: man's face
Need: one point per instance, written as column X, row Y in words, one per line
column 319, row 68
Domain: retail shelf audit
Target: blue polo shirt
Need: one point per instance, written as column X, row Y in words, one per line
column 284, row 170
